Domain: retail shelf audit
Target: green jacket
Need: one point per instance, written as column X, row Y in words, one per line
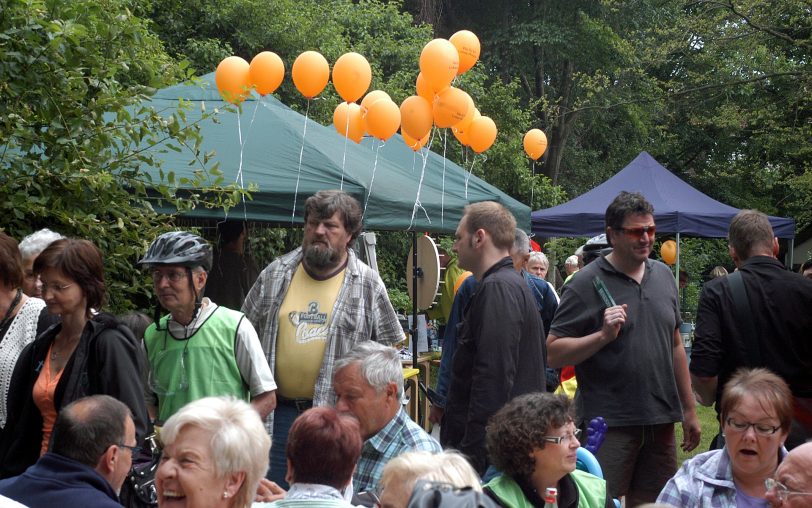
column 591, row 491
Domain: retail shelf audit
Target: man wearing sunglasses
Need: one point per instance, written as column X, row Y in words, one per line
column 629, row 359
column 90, row 456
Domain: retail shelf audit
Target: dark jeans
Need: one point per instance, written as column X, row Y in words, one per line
column 283, row 417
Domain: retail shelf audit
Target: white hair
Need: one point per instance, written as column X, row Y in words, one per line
column 521, row 242
column 448, row 466
column 380, row 365
column 572, row 261
column 239, row 441
column 541, row 257
column 33, row 244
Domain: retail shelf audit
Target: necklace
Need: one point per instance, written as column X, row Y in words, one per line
column 55, row 353
column 8, row 317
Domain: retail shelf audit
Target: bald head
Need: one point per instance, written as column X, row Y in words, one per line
column 795, row 473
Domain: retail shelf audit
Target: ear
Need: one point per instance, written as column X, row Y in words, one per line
column 107, row 462
column 479, row 236
column 392, row 390
column 735, row 257
column 233, row 482
column 776, row 247
column 200, row 279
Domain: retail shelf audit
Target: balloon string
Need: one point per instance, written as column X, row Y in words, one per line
column 371, row 180
column 242, row 148
column 532, row 182
column 301, row 153
column 346, row 135
column 442, row 196
column 468, row 176
column 417, row 204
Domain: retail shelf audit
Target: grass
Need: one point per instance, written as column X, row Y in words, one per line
column 710, row 426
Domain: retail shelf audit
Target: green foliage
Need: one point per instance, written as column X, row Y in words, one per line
column 72, row 75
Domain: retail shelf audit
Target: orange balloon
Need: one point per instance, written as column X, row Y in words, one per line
column 310, row 73
column 351, row 76
column 668, row 251
column 535, row 143
column 415, row 117
column 461, row 129
column 482, row 134
column 348, row 122
column 266, row 72
column 450, row 107
column 371, row 98
column 467, row 45
column 424, row 88
column 414, row 144
column 232, row 79
column 439, row 62
column 383, row 119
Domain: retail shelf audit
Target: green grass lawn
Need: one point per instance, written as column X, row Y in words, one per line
column 710, row 426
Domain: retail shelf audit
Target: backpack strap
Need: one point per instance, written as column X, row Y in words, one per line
column 743, row 313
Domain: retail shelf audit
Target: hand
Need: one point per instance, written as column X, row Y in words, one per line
column 691, row 431
column 436, row 414
column 613, row 319
column 268, row 492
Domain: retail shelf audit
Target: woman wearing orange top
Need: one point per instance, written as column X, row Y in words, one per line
column 87, row 353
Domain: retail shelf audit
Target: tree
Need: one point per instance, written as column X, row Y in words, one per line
column 72, row 75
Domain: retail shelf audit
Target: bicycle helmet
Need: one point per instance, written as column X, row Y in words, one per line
column 179, row 248
column 595, row 247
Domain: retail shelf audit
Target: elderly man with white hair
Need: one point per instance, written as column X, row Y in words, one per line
column 369, row 385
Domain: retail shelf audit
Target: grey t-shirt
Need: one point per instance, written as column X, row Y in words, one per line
column 631, row 380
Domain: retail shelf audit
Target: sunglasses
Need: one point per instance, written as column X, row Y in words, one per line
column 638, row 232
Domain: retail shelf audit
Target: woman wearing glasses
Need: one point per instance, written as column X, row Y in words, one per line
column 532, row 440
column 756, row 413
column 87, row 353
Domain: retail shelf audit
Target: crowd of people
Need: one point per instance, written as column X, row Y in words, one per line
column 281, row 387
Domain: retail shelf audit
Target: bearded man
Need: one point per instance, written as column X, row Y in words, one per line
column 311, row 306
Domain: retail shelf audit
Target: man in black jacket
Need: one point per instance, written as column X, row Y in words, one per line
column 499, row 352
column 779, row 314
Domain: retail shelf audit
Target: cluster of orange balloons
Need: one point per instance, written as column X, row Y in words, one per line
column 439, row 103
column 436, row 102
column 535, row 143
column 235, row 77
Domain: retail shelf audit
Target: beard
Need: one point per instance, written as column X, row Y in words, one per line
column 321, row 256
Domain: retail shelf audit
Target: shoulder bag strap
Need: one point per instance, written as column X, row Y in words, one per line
column 741, row 306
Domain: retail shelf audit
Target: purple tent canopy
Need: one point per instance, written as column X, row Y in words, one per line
column 678, row 207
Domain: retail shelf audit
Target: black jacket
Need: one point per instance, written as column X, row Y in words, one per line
column 107, row 361
column 499, row 354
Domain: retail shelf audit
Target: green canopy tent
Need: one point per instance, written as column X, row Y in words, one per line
column 272, row 135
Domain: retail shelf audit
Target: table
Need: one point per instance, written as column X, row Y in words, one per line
column 424, row 368
column 410, row 382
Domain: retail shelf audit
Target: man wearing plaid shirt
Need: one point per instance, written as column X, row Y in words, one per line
column 369, row 385
column 312, row 305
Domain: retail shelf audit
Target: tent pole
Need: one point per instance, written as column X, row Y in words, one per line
column 413, row 330
column 792, row 253
column 676, row 275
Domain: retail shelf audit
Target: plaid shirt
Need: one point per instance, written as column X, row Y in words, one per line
column 362, row 312
column 704, row 481
column 400, row 435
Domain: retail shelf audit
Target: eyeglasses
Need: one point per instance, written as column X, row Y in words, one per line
column 56, row 288
column 638, row 232
column 174, row 276
column 135, row 450
column 560, row 439
column 781, row 490
column 760, row 428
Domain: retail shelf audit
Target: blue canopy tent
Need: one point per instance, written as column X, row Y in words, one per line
column 678, row 207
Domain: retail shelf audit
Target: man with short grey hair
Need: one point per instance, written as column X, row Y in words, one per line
column 30, row 248
column 369, row 385
column 791, row 485
column 91, row 453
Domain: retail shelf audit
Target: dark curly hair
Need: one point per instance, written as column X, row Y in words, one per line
column 516, row 429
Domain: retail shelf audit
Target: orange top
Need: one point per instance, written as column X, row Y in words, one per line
column 43, row 394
